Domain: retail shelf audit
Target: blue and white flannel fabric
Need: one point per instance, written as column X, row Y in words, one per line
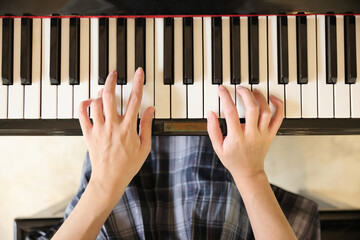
column 184, row 192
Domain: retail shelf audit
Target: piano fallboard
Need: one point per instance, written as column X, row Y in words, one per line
column 174, row 7
column 178, row 127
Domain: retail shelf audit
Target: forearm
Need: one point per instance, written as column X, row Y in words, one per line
column 89, row 215
column 266, row 217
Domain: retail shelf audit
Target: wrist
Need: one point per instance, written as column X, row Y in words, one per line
column 108, row 194
column 251, row 182
column 243, row 171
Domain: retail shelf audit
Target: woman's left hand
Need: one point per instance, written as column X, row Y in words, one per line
column 116, row 151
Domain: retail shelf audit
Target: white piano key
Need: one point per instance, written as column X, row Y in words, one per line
column 16, row 91
column 113, row 59
column 3, row 88
column 148, row 90
column 309, row 95
column 355, row 88
column 178, row 90
column 48, row 91
column 211, row 99
column 65, row 90
column 226, row 61
column 32, row 92
column 292, row 89
column 126, row 89
column 81, row 91
column 244, row 64
column 94, row 58
column 274, row 88
column 195, row 91
column 162, row 91
column 263, row 71
column 324, row 91
column 341, row 90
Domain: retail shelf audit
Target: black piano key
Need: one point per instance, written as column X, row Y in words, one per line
column 283, row 56
column 7, row 51
column 26, row 51
column 140, row 51
column 168, row 51
column 216, row 50
column 103, row 50
column 55, row 51
column 301, row 35
column 74, row 48
column 331, row 51
column 188, row 51
column 350, row 50
column 253, row 29
column 235, row 49
column 121, row 51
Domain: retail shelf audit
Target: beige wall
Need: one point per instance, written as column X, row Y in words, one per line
column 37, row 172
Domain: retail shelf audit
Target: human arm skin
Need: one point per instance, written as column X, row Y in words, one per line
column 243, row 152
column 116, row 152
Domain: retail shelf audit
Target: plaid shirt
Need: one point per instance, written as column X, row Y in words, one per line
column 184, row 192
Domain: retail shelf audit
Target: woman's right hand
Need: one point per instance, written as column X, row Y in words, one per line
column 244, row 148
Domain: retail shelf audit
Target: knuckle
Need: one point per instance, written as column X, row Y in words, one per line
column 82, row 104
column 81, row 108
column 232, row 113
column 147, row 146
column 107, row 95
column 136, row 97
column 266, row 113
column 253, row 108
column 279, row 119
column 96, row 103
column 244, row 89
column 127, row 123
column 110, row 127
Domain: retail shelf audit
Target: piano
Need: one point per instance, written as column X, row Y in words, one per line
column 57, row 55
column 54, row 54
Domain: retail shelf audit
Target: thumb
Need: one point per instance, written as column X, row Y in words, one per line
column 145, row 128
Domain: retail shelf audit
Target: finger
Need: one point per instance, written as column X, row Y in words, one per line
column 145, row 128
column 133, row 106
column 230, row 111
column 214, row 131
column 97, row 111
column 108, row 96
column 264, row 111
column 278, row 117
column 99, row 94
column 251, row 107
column 84, row 119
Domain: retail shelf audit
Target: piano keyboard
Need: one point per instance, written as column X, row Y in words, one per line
column 311, row 62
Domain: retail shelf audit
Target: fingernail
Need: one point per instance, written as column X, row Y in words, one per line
column 138, row 69
column 100, row 92
column 221, row 87
column 239, row 87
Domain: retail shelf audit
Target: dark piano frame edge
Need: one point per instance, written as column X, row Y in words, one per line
column 179, row 127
